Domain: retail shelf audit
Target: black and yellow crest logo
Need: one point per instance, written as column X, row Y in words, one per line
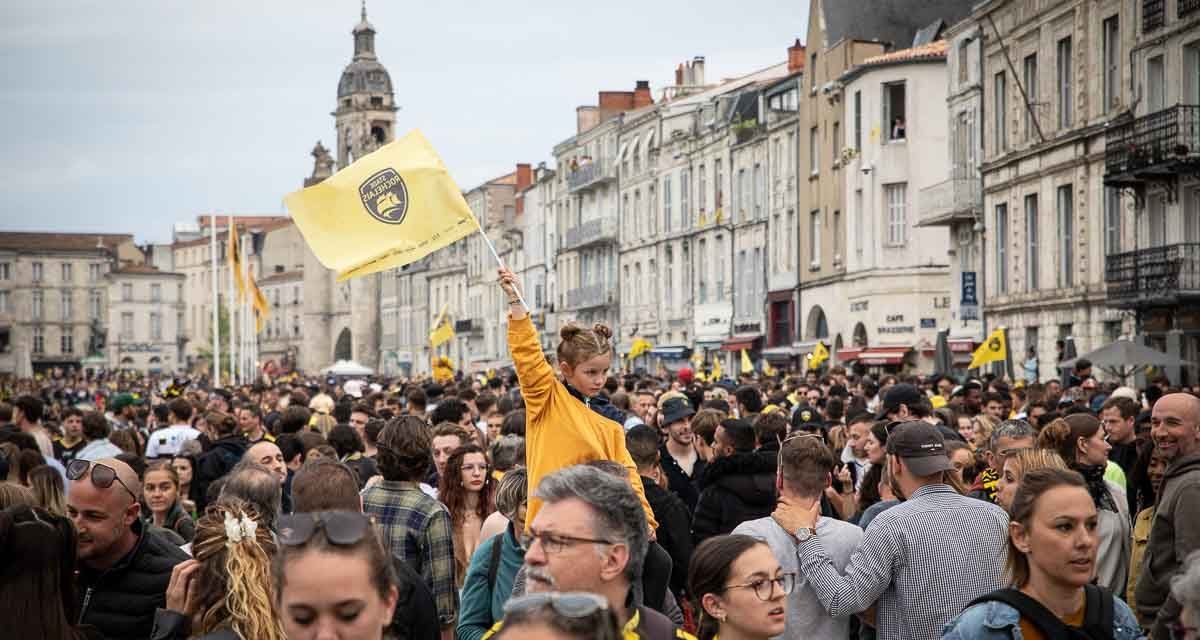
column 385, row 196
column 994, row 345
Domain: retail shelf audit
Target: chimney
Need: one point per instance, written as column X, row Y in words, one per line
column 641, row 95
column 524, row 176
column 698, row 71
column 679, row 75
column 795, row 57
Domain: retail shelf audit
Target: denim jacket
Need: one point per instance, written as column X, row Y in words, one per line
column 999, row 621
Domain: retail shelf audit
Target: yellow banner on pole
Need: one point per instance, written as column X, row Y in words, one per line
column 993, row 349
column 389, row 208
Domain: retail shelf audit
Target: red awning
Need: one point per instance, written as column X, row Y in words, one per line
column 847, row 355
column 962, row 346
column 874, row 356
column 737, row 343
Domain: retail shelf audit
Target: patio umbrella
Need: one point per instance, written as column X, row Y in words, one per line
column 1125, row 358
column 346, row 368
column 943, row 360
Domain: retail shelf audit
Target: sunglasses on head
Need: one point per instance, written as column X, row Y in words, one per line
column 575, row 612
column 102, row 475
column 342, row 528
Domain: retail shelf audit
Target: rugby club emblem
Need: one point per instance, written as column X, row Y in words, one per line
column 385, row 196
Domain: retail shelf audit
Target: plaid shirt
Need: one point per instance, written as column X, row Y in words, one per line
column 923, row 560
column 416, row 528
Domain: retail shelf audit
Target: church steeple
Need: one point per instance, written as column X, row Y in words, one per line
column 364, row 37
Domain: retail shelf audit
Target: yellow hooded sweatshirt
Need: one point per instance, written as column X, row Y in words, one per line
column 561, row 431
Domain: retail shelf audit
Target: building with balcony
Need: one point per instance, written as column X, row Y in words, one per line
column 640, row 227
column 1052, row 77
column 1151, row 225
column 540, row 241
column 896, row 284
column 145, row 315
column 281, row 337
column 54, row 296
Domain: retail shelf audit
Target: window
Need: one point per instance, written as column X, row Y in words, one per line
column 858, row 120
column 793, row 155
column 1191, row 72
column 741, row 197
column 759, row 188
column 719, row 247
column 5, row 270
column 4, row 301
column 836, row 236
column 685, row 197
column 791, row 232
column 1064, row 83
column 1001, row 248
column 836, row 148
column 295, row 326
column 127, row 291
column 666, row 193
column 718, row 185
column 65, row 308
column 1030, row 77
column 37, row 272
column 67, row 342
column 39, row 340
column 156, row 293
column 638, row 218
column 756, row 281
column 1031, row 242
column 94, row 304
column 702, row 192
column 1112, row 62
column 179, row 329
column 743, row 280
column 685, row 269
column 127, row 325
column 963, row 61
column 68, row 274
column 296, row 294
column 860, row 230
column 1156, row 75
column 897, row 222
column 1031, row 340
column 38, row 303
column 669, row 279
column 814, row 239
column 814, row 151
column 998, row 111
column 893, row 110
column 1066, row 235
column 155, row 326
column 702, row 251
column 1112, row 221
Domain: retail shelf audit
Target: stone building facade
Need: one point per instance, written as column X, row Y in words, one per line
column 145, row 316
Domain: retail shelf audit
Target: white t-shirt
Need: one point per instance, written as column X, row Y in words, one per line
column 166, row 442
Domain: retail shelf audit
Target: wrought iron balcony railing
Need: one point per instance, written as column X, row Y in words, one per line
column 591, row 232
column 591, row 174
column 1155, row 275
column 1153, row 145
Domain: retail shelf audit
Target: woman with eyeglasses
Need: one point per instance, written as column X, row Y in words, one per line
column 739, row 589
column 1052, row 546
column 561, row 616
column 1082, row 441
column 466, row 489
column 223, row 592
column 333, row 578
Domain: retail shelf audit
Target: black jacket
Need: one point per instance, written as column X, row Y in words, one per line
column 216, row 462
column 120, row 601
column 674, row 531
column 684, row 486
column 733, row 490
column 600, row 405
column 415, row 617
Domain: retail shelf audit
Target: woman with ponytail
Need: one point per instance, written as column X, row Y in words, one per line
column 1082, row 442
column 566, row 421
column 225, row 592
column 740, row 589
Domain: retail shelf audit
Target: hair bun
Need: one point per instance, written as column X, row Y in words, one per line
column 570, row 331
column 603, row 331
column 1055, row 434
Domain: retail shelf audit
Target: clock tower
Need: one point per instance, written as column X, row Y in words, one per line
column 366, row 108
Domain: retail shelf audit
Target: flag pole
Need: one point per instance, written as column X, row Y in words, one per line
column 216, row 317
column 235, row 315
column 492, row 248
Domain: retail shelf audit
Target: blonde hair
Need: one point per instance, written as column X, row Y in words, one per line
column 323, row 423
column 47, row 486
column 1027, row 460
column 579, row 344
column 235, row 588
column 321, row 403
column 984, row 426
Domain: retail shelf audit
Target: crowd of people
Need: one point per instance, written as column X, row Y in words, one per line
column 564, row 499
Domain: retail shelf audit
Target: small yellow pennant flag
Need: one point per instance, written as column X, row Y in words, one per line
column 234, row 258
column 262, row 309
column 716, row 370
column 819, row 355
column 993, row 349
column 747, row 365
column 388, row 209
column 768, row 370
column 639, row 347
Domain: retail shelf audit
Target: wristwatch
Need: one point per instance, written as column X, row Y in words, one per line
column 804, row 534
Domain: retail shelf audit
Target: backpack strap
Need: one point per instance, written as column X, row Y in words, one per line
column 1030, row 609
column 494, row 559
column 1098, row 613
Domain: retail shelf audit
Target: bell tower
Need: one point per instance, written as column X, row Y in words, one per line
column 365, row 116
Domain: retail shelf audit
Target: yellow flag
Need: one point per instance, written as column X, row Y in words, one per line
column 819, row 355
column 747, row 365
column 234, row 258
column 391, row 207
column 261, row 308
column 716, row 370
column 441, row 335
column 639, row 347
column 993, row 349
column 768, row 370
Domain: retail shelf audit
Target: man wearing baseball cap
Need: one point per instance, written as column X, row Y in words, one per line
column 911, row 551
column 680, row 462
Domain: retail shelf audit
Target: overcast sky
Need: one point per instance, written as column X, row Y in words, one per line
column 129, row 116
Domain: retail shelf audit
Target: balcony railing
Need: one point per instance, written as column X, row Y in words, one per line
column 590, row 175
column 1153, row 14
column 1157, row 275
column 590, row 232
column 468, row 326
column 949, row 201
column 594, row 295
column 1153, row 145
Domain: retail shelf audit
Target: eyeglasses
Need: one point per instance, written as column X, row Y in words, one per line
column 556, row 542
column 764, row 588
column 102, row 475
column 342, row 528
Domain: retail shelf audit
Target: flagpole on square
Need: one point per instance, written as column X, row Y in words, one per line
column 492, row 248
column 216, row 317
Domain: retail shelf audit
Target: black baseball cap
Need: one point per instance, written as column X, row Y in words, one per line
column 676, row 409
column 897, row 395
column 806, row 418
column 921, row 446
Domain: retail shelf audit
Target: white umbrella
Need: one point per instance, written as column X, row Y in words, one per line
column 346, row 368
